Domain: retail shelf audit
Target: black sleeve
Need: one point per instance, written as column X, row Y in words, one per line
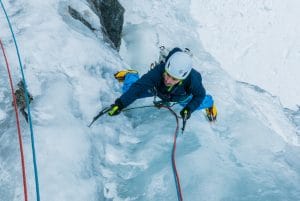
column 147, row 81
column 197, row 90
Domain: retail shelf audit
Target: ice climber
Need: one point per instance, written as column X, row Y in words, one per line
column 172, row 80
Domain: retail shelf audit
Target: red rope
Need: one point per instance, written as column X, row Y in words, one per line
column 176, row 175
column 18, row 125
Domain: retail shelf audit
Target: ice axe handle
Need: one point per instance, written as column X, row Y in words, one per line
column 102, row 112
column 183, row 123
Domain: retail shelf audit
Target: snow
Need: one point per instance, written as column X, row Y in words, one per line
column 250, row 153
column 2, row 115
column 256, row 42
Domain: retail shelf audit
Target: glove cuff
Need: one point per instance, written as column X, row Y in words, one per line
column 186, row 114
column 187, row 108
column 119, row 103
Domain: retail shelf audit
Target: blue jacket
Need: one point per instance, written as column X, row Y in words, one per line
column 153, row 82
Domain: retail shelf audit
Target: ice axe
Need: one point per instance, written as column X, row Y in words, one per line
column 184, row 119
column 102, row 112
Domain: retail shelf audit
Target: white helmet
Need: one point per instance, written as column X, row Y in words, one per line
column 179, row 65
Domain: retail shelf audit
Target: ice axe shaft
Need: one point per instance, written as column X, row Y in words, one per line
column 183, row 123
column 102, row 112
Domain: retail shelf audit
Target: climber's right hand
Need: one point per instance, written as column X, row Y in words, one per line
column 115, row 108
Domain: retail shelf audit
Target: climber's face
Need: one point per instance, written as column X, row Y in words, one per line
column 169, row 80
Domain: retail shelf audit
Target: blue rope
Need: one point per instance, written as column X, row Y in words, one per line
column 28, row 107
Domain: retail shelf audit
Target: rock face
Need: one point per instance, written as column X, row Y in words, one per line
column 77, row 15
column 111, row 15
